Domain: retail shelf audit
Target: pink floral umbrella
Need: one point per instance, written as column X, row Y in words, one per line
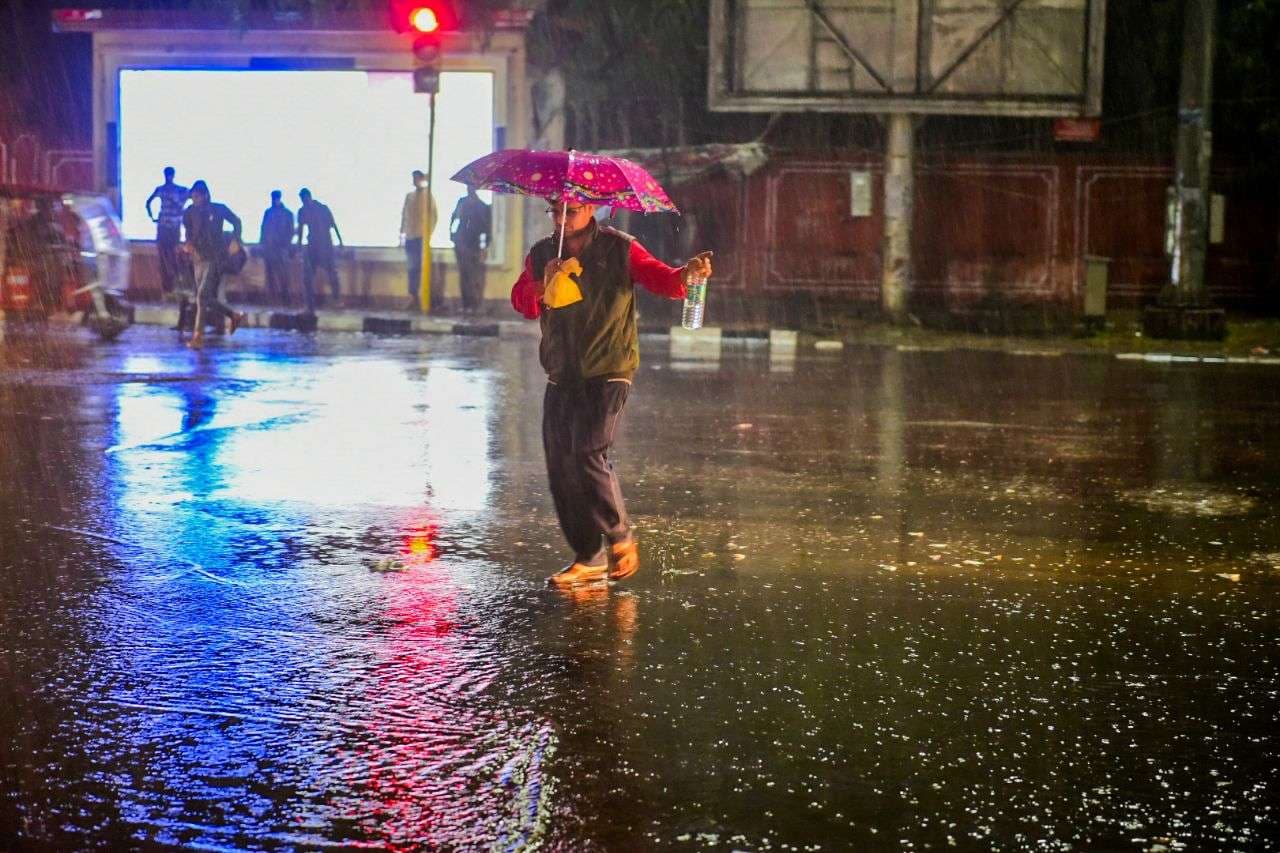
column 569, row 176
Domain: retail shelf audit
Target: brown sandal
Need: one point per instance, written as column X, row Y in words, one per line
column 624, row 558
column 575, row 574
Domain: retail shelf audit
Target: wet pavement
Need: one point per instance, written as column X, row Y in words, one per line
column 287, row 594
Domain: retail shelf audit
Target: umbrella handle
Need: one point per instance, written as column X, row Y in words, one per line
column 563, row 200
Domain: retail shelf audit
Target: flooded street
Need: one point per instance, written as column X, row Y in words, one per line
column 288, row 593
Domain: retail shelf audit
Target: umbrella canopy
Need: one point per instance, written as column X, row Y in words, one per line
column 568, row 175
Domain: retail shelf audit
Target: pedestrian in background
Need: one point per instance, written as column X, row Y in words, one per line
column 275, row 240
column 411, row 232
column 317, row 220
column 172, row 197
column 209, row 246
column 469, row 230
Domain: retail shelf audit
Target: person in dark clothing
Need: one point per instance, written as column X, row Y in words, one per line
column 590, row 351
column 275, row 239
column 209, row 245
column 469, row 230
column 318, row 254
column 172, row 198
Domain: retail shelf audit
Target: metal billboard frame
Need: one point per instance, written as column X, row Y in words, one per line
column 724, row 96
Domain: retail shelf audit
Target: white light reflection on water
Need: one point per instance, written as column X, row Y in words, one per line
column 350, row 412
column 278, row 436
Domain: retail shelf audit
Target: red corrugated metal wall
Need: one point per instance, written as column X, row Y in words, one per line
column 24, row 160
column 986, row 227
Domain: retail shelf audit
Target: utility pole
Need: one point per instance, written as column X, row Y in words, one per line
column 1184, row 310
column 899, row 197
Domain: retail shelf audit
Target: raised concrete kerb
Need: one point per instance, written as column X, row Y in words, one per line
column 702, row 342
column 155, row 315
column 340, row 322
column 1169, row 358
column 706, row 336
column 426, row 324
column 783, row 339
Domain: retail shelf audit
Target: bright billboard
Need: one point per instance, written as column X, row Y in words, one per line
column 352, row 137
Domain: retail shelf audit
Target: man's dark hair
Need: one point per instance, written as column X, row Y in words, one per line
column 418, row 175
column 200, row 187
column 275, row 195
column 304, row 193
column 169, row 172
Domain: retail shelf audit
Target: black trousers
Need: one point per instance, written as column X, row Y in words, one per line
column 313, row 260
column 276, row 262
column 470, row 274
column 167, row 242
column 210, row 310
column 579, row 423
column 413, row 257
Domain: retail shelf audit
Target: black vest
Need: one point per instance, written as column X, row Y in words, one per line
column 596, row 337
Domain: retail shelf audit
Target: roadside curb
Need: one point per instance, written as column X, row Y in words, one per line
column 1170, row 358
column 701, row 343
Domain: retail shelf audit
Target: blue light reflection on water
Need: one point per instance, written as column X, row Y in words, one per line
column 283, row 664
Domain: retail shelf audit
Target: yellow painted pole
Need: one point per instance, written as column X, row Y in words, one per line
column 424, row 212
column 424, row 282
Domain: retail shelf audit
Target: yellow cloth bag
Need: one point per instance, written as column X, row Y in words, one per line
column 563, row 290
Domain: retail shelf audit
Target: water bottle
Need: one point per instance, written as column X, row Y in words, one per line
column 695, row 302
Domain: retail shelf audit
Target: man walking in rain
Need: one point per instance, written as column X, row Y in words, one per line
column 172, row 197
column 276, row 238
column 209, row 247
column 469, row 230
column 411, row 232
column 318, row 221
column 590, row 351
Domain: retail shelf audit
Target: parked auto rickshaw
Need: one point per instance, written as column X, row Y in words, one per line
column 62, row 252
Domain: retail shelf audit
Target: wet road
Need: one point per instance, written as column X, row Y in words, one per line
column 890, row 600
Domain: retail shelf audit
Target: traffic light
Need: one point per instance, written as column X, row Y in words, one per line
column 429, row 20
column 425, row 17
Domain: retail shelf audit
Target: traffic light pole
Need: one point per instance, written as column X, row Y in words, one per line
column 424, row 210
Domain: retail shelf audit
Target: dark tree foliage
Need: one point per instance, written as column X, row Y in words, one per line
column 44, row 78
column 1247, row 113
column 635, row 72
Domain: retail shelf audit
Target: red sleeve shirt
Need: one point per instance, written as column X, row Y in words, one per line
column 524, row 297
column 646, row 270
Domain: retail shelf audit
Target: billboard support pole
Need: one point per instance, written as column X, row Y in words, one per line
column 899, row 198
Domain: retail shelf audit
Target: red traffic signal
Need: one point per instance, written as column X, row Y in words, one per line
column 425, row 17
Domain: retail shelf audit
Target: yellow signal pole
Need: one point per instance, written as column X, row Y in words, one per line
column 424, row 211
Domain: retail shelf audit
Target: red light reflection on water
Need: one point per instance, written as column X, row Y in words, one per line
column 420, row 544
column 420, row 722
